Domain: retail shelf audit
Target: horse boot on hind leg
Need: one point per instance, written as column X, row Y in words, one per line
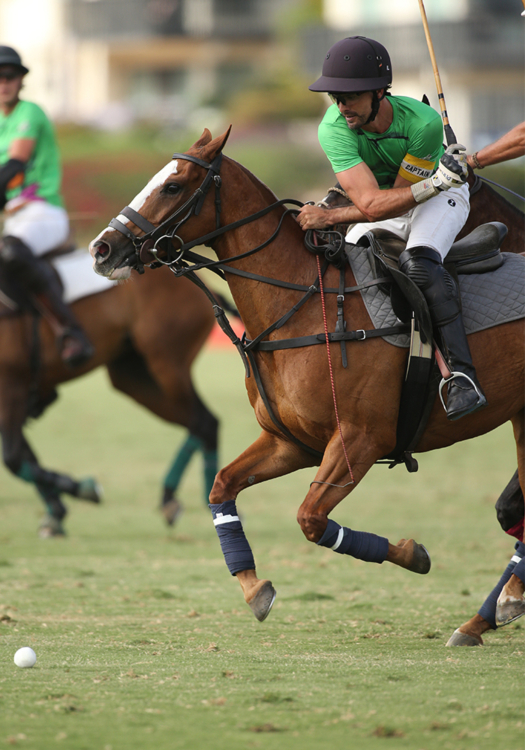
column 471, row 632
column 509, row 510
column 424, row 267
column 39, row 281
column 511, row 602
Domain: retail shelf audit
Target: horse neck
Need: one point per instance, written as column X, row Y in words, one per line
column 285, row 258
column 489, row 205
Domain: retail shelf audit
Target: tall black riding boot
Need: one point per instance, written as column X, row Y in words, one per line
column 424, row 266
column 38, row 279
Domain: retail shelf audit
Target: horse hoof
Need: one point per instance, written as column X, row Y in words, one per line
column 462, row 639
column 50, row 528
column 419, row 561
column 90, row 489
column 263, row 600
column 172, row 510
column 509, row 611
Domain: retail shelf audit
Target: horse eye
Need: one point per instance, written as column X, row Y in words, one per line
column 172, row 188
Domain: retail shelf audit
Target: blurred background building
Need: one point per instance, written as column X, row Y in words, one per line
column 113, row 62
column 127, row 82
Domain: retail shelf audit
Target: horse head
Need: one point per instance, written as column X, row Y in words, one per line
column 146, row 229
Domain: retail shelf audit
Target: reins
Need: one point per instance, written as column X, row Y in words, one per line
column 187, row 263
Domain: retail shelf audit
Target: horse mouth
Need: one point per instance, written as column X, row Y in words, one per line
column 105, row 263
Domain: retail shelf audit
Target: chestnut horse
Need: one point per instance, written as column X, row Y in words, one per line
column 147, row 339
column 203, row 197
column 486, row 204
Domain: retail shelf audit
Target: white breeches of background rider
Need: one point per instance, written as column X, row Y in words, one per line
column 40, row 225
column 435, row 223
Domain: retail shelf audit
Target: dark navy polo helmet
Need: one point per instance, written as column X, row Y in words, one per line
column 355, row 64
column 9, row 56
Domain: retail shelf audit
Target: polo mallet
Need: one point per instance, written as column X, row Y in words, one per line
column 449, row 133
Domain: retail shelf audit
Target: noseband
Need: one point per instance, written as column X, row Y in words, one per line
column 168, row 229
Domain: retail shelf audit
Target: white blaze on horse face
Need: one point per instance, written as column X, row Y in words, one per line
column 155, row 182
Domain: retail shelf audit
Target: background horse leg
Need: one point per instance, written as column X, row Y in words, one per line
column 330, row 486
column 169, row 393
column 21, row 461
column 203, row 436
column 510, row 509
column 268, row 457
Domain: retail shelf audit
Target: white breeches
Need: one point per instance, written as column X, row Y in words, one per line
column 435, row 223
column 40, row 225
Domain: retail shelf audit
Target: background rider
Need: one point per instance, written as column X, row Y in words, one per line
column 36, row 221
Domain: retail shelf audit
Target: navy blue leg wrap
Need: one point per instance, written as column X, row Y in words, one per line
column 488, row 608
column 359, row 544
column 519, row 570
column 235, row 548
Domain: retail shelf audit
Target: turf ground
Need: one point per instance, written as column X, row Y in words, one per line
column 144, row 641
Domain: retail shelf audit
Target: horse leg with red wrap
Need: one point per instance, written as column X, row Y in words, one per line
column 268, row 457
column 330, row 486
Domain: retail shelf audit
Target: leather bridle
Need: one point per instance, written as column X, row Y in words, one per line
column 167, row 230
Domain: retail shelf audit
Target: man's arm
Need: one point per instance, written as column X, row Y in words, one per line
column 509, row 146
column 370, row 202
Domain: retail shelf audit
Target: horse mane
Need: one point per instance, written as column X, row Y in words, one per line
column 268, row 193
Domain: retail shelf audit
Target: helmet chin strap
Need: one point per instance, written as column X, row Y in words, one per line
column 375, row 105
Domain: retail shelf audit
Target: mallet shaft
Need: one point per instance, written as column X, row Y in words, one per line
column 449, row 133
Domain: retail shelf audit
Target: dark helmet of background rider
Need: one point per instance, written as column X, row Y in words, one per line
column 9, row 56
column 355, row 64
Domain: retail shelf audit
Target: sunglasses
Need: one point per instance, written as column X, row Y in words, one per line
column 346, row 97
column 9, row 75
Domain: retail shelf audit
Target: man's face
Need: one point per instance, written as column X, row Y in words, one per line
column 356, row 108
column 10, row 84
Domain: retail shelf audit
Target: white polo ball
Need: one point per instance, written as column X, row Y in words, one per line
column 25, row 657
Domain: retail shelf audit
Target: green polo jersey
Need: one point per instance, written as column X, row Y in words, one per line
column 43, row 175
column 411, row 147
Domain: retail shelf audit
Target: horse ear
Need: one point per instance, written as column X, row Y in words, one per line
column 203, row 140
column 215, row 147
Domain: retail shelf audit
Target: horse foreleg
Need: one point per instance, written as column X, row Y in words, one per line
column 332, row 483
column 268, row 457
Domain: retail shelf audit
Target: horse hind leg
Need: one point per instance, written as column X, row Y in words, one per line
column 511, row 601
column 203, row 437
column 172, row 397
column 50, row 485
column 510, row 509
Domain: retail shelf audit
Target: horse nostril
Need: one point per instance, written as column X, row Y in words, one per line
column 102, row 249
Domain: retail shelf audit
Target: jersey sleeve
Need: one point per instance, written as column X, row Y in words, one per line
column 30, row 122
column 338, row 142
column 424, row 151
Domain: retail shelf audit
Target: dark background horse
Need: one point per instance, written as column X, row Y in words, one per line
column 296, row 380
column 147, row 339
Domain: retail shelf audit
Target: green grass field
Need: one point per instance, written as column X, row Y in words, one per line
column 143, row 638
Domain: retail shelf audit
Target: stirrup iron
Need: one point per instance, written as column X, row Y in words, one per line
column 454, row 375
